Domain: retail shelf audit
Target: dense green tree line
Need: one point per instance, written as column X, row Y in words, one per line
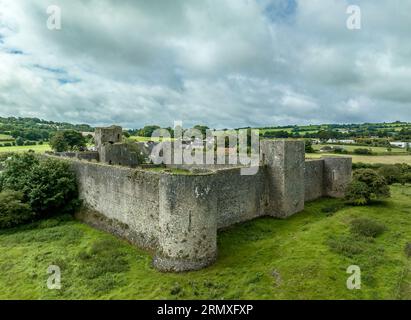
column 34, row 129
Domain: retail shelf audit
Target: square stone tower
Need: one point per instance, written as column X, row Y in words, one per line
column 113, row 134
column 284, row 163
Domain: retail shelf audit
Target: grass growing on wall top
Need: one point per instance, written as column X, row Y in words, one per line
column 262, row 259
column 176, row 171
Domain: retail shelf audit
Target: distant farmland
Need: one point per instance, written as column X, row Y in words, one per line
column 386, row 159
column 37, row 148
column 352, row 147
column 6, row 138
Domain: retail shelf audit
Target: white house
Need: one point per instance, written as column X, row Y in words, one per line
column 332, row 141
column 347, row 141
column 399, row 144
column 341, row 141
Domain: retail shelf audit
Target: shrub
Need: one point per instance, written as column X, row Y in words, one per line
column 366, row 185
column 19, row 141
column 362, row 165
column 391, row 173
column 13, row 211
column 406, row 178
column 17, row 169
column 346, row 245
column 363, row 151
column 51, row 187
column 340, row 150
column 5, row 155
column 48, row 186
column 357, row 193
column 176, row 289
column 309, row 146
column 367, row 227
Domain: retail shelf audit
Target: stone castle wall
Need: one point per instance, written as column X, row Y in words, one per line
column 123, row 197
column 314, row 179
column 177, row 215
column 240, row 197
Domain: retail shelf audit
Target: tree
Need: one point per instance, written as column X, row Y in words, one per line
column 309, row 146
column 51, row 187
column 58, row 142
column 147, row 131
column 367, row 185
column 48, row 186
column 16, row 171
column 67, row 140
column 202, row 129
column 19, row 141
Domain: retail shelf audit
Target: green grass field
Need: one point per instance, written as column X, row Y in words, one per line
column 387, row 159
column 377, row 150
column 5, row 138
column 37, row 148
column 143, row 139
column 262, row 259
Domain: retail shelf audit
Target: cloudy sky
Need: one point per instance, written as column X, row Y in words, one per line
column 224, row 63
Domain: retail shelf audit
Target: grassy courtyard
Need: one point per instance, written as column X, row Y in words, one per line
column 262, row 259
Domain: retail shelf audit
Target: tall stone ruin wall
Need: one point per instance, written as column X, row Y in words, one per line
column 123, row 200
column 177, row 216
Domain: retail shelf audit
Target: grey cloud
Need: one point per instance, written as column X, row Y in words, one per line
column 224, row 63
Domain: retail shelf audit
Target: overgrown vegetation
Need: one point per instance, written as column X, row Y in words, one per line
column 366, row 227
column 13, row 211
column 366, row 185
column 101, row 263
column 43, row 186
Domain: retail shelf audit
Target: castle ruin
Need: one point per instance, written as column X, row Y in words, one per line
column 177, row 215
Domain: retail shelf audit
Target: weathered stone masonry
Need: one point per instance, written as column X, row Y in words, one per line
column 177, row 215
